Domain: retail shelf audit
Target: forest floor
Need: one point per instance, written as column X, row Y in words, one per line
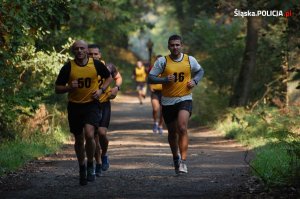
column 141, row 166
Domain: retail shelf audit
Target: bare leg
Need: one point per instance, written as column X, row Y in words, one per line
column 98, row 150
column 173, row 138
column 103, row 140
column 79, row 148
column 182, row 123
column 155, row 108
column 140, row 96
column 90, row 145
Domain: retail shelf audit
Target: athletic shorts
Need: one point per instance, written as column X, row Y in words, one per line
column 140, row 86
column 156, row 95
column 81, row 114
column 106, row 111
column 170, row 113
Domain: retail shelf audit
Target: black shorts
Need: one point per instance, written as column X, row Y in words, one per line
column 140, row 86
column 156, row 95
column 170, row 113
column 106, row 111
column 81, row 114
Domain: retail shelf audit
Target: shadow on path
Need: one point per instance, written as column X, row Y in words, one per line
column 141, row 165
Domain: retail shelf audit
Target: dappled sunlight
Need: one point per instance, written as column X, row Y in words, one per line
column 143, row 165
column 219, row 166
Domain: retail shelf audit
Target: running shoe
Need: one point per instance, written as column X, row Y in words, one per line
column 82, row 178
column 182, row 167
column 98, row 170
column 160, row 130
column 177, row 164
column 155, row 128
column 91, row 176
column 105, row 162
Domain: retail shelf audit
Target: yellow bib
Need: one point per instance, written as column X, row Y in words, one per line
column 182, row 72
column 87, row 82
column 140, row 74
column 156, row 87
column 105, row 96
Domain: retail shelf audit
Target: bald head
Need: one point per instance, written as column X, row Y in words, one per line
column 80, row 50
column 79, row 43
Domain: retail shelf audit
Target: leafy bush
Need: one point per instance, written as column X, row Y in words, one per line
column 273, row 134
column 208, row 104
column 29, row 85
column 278, row 163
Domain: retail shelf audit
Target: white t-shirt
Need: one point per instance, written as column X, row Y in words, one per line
column 159, row 67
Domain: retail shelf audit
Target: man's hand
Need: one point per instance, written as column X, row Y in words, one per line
column 114, row 92
column 73, row 85
column 96, row 94
column 191, row 84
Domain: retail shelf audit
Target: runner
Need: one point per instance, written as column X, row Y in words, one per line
column 180, row 73
column 79, row 78
column 105, row 105
column 140, row 76
column 156, row 105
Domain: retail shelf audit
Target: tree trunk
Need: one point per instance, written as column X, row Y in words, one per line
column 243, row 84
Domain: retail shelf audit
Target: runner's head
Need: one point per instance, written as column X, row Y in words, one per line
column 94, row 51
column 80, row 49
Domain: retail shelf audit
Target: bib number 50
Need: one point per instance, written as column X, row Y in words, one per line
column 84, row 82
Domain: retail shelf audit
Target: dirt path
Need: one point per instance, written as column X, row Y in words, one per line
column 141, row 165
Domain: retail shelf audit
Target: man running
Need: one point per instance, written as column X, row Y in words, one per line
column 79, row 78
column 105, row 105
column 156, row 105
column 180, row 73
column 140, row 77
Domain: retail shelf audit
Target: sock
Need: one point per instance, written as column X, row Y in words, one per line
column 176, row 158
column 82, row 168
column 90, row 164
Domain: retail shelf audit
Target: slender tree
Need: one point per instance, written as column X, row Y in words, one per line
column 244, row 81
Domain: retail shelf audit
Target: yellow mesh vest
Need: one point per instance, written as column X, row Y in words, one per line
column 105, row 96
column 87, row 82
column 140, row 74
column 156, row 87
column 182, row 72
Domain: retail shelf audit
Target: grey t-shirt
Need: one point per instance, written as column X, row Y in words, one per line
column 158, row 68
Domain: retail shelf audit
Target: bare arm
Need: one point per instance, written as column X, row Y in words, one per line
column 118, row 80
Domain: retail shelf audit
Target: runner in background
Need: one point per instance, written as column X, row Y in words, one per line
column 140, row 77
column 105, row 105
column 156, row 105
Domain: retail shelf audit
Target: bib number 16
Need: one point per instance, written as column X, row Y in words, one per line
column 179, row 77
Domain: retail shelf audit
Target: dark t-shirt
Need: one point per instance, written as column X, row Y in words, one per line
column 64, row 74
column 113, row 70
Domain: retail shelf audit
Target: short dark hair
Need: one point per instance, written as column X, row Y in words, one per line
column 158, row 56
column 94, row 46
column 174, row 37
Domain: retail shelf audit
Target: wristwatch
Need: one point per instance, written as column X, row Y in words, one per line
column 195, row 81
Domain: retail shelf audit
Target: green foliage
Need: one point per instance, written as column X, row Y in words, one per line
column 274, row 136
column 272, row 43
column 278, row 163
column 31, row 82
column 208, row 105
column 14, row 154
column 222, row 51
